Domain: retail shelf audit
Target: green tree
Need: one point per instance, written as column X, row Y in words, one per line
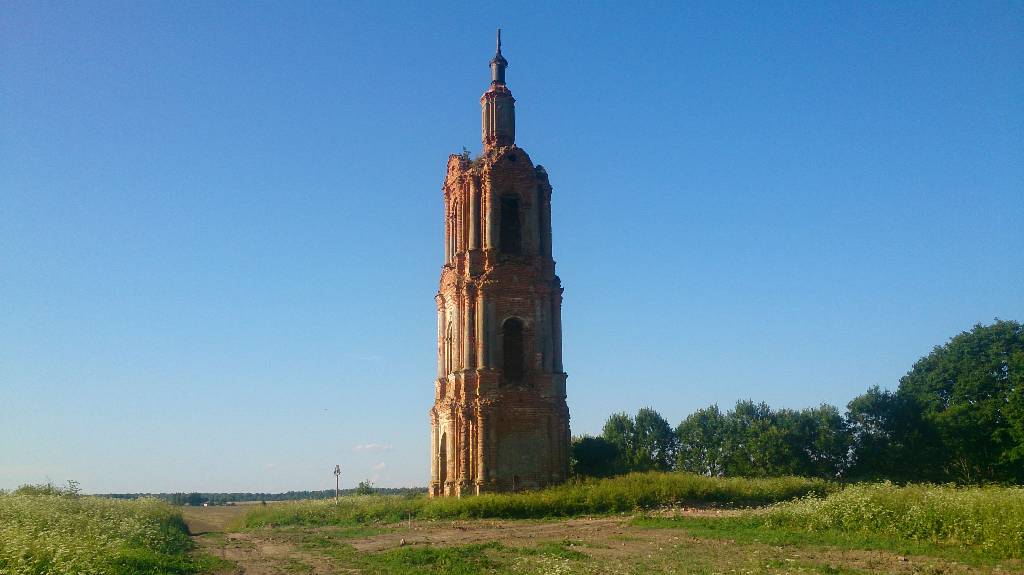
column 593, row 457
column 702, row 442
column 753, row 445
column 818, row 440
column 655, row 443
column 890, row 438
column 972, row 391
column 620, row 431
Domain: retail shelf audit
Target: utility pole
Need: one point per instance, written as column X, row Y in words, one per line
column 337, row 479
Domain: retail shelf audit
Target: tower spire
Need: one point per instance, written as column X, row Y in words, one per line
column 498, row 63
column 498, row 105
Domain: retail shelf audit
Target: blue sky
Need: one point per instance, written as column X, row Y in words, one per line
column 221, row 226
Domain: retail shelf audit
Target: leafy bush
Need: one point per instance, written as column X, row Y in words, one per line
column 991, row 518
column 54, row 531
column 71, row 490
column 593, row 457
column 365, row 488
column 614, row 495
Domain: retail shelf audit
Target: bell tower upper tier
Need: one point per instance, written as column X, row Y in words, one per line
column 498, row 107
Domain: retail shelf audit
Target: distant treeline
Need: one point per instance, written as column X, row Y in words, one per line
column 957, row 416
column 226, row 498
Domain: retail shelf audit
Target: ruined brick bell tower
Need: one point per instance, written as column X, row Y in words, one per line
column 499, row 421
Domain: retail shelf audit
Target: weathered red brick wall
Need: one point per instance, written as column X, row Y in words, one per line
column 490, row 432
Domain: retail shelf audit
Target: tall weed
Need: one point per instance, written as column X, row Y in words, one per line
column 60, row 533
column 990, row 518
column 619, row 494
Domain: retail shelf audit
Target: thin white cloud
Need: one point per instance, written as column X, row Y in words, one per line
column 373, row 447
column 380, row 466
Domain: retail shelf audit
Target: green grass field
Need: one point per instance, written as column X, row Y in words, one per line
column 777, row 525
column 973, row 525
column 637, row 524
column 59, row 533
column 628, row 493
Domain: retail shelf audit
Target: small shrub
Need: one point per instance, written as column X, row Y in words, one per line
column 365, row 488
column 71, row 490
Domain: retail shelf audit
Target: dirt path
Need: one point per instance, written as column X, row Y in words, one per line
column 611, row 544
column 514, row 533
column 614, row 541
column 263, row 555
column 251, row 553
column 210, row 519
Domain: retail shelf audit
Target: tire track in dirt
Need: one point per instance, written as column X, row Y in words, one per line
column 253, row 553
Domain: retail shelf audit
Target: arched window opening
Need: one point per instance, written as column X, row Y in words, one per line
column 511, row 234
column 442, row 459
column 449, row 351
column 512, row 346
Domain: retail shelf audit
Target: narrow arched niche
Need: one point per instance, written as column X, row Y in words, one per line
column 513, row 361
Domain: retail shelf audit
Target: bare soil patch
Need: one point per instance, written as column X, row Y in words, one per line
column 210, row 519
column 264, row 554
column 514, row 532
column 610, row 545
column 614, row 542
